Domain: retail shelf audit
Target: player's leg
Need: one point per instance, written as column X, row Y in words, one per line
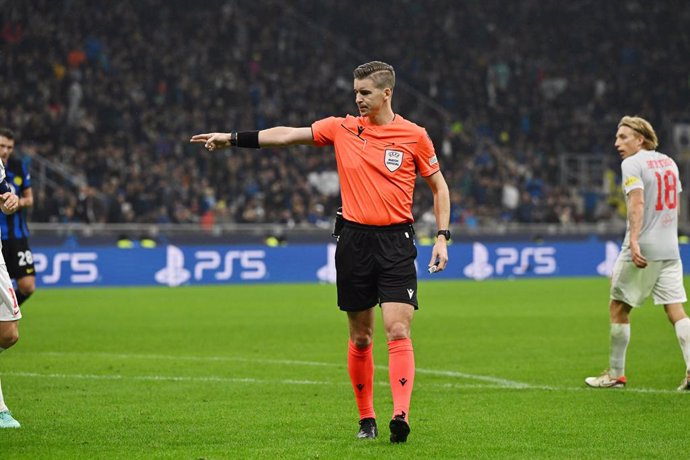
column 10, row 314
column 619, row 337
column 397, row 321
column 670, row 292
column 25, row 287
column 681, row 324
column 630, row 287
column 20, row 265
column 9, row 334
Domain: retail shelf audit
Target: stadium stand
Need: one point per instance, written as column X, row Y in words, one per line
column 105, row 95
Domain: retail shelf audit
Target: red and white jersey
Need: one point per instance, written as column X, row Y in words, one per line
column 657, row 175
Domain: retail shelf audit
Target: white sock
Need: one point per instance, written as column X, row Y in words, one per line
column 3, row 407
column 620, row 337
column 683, row 333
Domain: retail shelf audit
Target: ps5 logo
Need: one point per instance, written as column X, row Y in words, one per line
column 605, row 268
column 250, row 265
column 174, row 272
column 81, row 267
column 509, row 260
column 327, row 273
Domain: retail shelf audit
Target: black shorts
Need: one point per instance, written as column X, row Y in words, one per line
column 375, row 265
column 18, row 257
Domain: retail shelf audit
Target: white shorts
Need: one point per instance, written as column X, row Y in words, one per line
column 9, row 308
column 663, row 279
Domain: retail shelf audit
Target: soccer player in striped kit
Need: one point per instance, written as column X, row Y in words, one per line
column 378, row 154
column 649, row 262
column 13, row 227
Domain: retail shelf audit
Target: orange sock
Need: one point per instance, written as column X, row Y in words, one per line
column 360, row 364
column 401, row 373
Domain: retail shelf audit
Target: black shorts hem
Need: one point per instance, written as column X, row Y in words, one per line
column 354, row 309
column 357, row 309
column 407, row 301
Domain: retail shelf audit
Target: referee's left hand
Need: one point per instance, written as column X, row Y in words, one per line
column 439, row 254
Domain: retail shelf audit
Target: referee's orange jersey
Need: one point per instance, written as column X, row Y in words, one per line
column 377, row 165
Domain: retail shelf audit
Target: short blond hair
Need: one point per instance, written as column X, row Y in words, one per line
column 381, row 73
column 643, row 128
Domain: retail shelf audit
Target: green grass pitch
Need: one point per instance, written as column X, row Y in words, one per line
column 260, row 372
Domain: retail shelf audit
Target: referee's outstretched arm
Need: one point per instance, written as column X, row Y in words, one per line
column 273, row 137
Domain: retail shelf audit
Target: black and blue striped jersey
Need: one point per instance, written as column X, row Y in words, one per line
column 17, row 175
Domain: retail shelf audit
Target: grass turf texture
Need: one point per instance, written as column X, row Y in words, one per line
column 259, row 372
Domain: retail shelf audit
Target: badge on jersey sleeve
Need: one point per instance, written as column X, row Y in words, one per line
column 632, row 180
column 393, row 159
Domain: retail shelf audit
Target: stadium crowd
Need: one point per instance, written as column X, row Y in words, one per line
column 112, row 91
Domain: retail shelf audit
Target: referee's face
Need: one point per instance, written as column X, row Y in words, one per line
column 6, row 148
column 369, row 99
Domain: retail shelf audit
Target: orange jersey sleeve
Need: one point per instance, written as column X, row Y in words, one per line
column 377, row 166
column 324, row 130
column 427, row 162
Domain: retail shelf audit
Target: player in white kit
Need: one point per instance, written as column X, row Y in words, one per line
column 649, row 262
column 9, row 308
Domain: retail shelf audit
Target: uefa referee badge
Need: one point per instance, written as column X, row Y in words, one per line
column 393, row 159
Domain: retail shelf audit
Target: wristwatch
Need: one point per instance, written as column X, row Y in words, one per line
column 445, row 233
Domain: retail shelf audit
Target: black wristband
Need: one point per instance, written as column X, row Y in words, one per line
column 233, row 139
column 247, row 139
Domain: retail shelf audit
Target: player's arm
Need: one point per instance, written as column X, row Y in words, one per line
column 279, row 136
column 27, row 198
column 439, row 188
column 635, row 219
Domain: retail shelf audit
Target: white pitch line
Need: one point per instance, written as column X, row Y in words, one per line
column 207, row 379
column 285, row 362
column 494, row 382
column 215, row 379
column 186, row 358
column 484, row 378
column 165, row 378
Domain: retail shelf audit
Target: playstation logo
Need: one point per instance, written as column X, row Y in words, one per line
column 605, row 268
column 479, row 268
column 174, row 273
column 327, row 273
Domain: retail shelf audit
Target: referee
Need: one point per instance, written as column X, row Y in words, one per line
column 13, row 228
column 378, row 154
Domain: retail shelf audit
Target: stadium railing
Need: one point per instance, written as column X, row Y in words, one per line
column 63, row 233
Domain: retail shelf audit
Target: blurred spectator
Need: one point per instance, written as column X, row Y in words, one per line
column 502, row 87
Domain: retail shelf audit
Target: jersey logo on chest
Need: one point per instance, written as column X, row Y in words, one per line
column 393, row 159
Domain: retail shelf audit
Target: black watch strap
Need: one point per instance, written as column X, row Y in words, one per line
column 445, row 233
